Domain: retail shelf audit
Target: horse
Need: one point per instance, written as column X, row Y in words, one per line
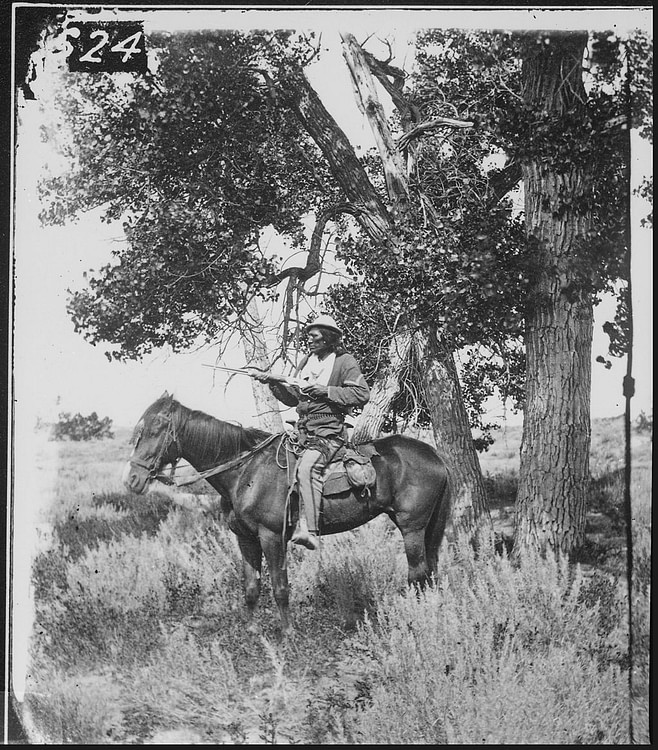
column 245, row 466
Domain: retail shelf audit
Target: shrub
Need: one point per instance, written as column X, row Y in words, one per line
column 644, row 423
column 109, row 517
column 501, row 489
column 77, row 427
column 107, row 601
column 72, row 709
column 471, row 661
column 354, row 572
column 185, row 682
column 109, row 607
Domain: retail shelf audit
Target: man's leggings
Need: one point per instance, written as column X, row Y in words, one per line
column 309, row 478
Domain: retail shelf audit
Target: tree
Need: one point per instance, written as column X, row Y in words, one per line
column 76, row 427
column 574, row 169
column 568, row 146
column 200, row 161
column 551, row 506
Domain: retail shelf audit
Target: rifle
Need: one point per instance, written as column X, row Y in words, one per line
column 252, row 372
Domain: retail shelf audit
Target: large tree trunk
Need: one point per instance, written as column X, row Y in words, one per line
column 452, row 433
column 336, row 147
column 554, row 470
column 384, row 390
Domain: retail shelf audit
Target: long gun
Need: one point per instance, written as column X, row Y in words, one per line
column 253, row 372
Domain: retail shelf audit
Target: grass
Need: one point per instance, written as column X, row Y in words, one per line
column 139, row 633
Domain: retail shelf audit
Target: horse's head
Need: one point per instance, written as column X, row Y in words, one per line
column 155, row 444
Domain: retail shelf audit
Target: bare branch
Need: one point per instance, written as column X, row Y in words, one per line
column 313, row 263
column 429, row 125
column 392, row 79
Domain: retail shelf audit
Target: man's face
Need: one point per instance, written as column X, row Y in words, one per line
column 316, row 343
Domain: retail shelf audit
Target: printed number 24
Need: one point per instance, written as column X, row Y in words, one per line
column 127, row 46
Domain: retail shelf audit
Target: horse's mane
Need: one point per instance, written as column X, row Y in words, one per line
column 207, row 435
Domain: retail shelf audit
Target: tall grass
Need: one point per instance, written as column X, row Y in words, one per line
column 140, row 630
column 496, row 654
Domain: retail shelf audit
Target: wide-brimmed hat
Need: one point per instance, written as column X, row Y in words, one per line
column 324, row 321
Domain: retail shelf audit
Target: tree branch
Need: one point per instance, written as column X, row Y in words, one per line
column 337, row 149
column 368, row 102
column 313, row 264
column 392, row 79
column 430, row 125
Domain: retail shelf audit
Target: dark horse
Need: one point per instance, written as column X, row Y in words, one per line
column 412, row 489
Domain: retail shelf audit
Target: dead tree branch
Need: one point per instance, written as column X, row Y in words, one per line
column 435, row 123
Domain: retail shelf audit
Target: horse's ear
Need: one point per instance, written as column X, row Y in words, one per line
column 165, row 395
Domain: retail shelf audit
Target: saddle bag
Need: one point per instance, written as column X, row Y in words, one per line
column 360, row 471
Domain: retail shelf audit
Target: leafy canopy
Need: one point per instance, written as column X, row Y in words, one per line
column 196, row 160
column 468, row 264
column 200, row 157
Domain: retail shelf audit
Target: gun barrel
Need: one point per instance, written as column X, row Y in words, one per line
column 288, row 380
column 228, row 369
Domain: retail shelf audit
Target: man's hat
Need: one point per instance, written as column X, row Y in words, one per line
column 324, row 321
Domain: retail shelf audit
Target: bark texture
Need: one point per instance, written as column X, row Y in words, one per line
column 452, row 433
column 384, row 390
column 554, row 469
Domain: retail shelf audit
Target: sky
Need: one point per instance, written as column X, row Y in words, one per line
column 55, row 370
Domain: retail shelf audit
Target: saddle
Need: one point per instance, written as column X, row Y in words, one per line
column 351, row 469
column 354, row 470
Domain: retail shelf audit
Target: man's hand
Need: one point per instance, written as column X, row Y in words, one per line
column 263, row 377
column 315, row 391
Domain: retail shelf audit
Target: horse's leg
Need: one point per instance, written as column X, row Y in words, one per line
column 435, row 530
column 252, row 556
column 414, row 547
column 275, row 553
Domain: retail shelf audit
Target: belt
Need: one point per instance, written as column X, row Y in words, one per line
column 323, row 415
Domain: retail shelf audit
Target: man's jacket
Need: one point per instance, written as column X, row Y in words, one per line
column 325, row 417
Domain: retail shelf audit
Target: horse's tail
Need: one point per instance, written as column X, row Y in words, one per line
column 435, row 529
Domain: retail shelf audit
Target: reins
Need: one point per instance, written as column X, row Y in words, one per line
column 220, row 468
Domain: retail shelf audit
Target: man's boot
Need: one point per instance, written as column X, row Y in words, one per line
column 303, row 536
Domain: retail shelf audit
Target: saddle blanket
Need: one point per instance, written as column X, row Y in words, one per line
column 336, row 480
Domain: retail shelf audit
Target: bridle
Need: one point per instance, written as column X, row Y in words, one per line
column 170, row 436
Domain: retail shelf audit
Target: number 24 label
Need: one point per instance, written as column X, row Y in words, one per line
column 127, row 49
column 107, row 46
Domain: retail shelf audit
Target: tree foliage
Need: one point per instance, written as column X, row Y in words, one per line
column 196, row 160
column 466, row 261
column 203, row 154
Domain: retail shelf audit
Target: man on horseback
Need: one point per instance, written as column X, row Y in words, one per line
column 335, row 385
